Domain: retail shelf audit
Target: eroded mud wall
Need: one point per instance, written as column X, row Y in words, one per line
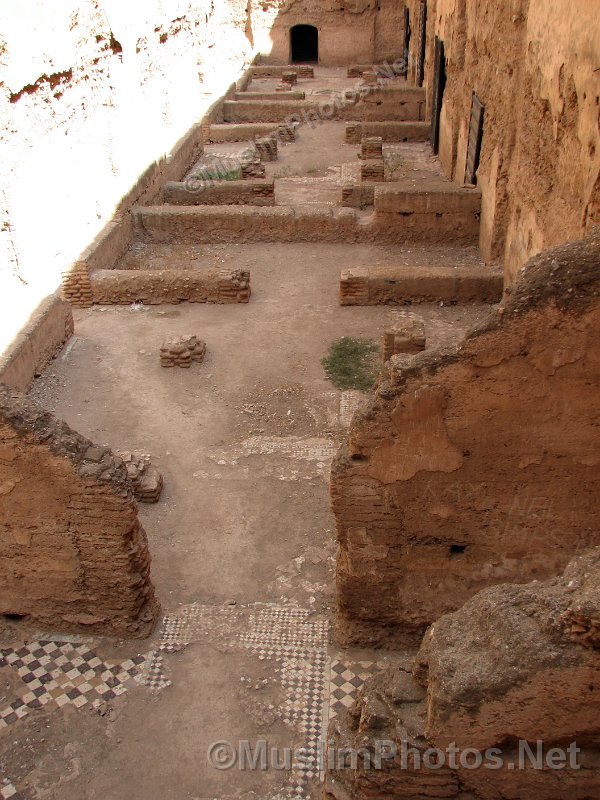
column 534, row 66
column 478, row 465
column 73, row 554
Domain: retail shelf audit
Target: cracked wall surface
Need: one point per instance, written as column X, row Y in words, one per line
column 73, row 553
column 475, row 465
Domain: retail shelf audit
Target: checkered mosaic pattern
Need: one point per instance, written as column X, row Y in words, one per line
column 297, row 643
column 346, row 679
column 60, row 673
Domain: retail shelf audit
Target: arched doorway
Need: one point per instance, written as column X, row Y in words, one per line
column 304, row 44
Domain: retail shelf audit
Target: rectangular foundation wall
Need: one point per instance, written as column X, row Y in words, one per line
column 208, row 224
column 113, row 287
column 252, row 193
column 365, row 286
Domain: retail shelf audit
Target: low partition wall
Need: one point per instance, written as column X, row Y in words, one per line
column 388, row 131
column 302, row 71
column 49, row 327
column 219, row 193
column 378, row 105
column 371, row 286
column 207, row 224
column 153, row 287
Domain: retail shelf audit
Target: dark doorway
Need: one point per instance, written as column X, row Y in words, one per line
column 422, row 43
column 475, row 139
column 439, row 84
column 304, row 40
column 407, row 33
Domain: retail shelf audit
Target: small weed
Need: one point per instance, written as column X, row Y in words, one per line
column 352, row 364
column 394, row 163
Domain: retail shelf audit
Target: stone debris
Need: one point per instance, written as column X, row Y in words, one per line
column 146, row 480
column 304, row 71
column 287, row 133
column 373, row 171
column 289, row 77
column 369, row 77
column 181, row 351
column 253, row 169
column 266, row 147
column 371, row 147
column 406, row 336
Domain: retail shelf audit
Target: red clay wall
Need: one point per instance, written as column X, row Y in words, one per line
column 475, row 466
column 73, row 554
column 534, row 67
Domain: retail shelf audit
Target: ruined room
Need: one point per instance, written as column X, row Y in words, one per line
column 300, row 400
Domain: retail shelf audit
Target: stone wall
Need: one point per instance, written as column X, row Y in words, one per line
column 476, row 465
column 49, row 327
column 507, row 667
column 122, row 286
column 372, row 286
column 534, row 68
column 73, row 554
column 218, row 193
column 302, row 224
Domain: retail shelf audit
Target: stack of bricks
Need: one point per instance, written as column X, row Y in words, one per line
column 372, row 171
column 180, row 352
column 354, row 71
column 369, row 77
column 353, row 133
column 266, row 147
column 252, row 169
column 264, row 190
column 287, row 133
column 304, row 71
column 77, row 287
column 371, row 147
column 290, row 78
column 233, row 286
column 348, row 195
column 205, row 128
column 283, row 87
column 354, row 286
column 405, row 336
column 146, row 480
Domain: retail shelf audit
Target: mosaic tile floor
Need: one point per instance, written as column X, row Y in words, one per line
column 317, row 685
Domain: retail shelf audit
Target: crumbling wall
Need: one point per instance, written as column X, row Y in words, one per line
column 509, row 670
column 73, row 554
column 534, row 68
column 476, row 465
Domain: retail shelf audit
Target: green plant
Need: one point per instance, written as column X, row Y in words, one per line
column 351, row 363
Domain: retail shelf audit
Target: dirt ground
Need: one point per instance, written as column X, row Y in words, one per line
column 244, row 442
column 242, row 539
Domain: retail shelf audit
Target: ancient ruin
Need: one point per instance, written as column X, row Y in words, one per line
column 365, row 558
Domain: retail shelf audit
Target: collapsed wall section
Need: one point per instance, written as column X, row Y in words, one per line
column 476, row 465
column 73, row 554
column 479, row 694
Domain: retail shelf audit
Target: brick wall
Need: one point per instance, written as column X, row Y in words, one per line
column 73, row 554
